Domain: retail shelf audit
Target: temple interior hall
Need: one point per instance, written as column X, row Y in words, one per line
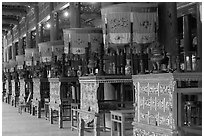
column 101, row 68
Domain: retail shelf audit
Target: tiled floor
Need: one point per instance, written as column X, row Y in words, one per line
column 14, row 124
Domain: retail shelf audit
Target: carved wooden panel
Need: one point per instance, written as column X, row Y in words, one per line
column 36, row 92
column 55, row 94
column 8, row 87
column 13, row 87
column 154, row 104
column 22, row 90
column 89, row 101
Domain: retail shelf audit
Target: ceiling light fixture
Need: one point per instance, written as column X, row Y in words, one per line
column 48, row 25
column 66, row 14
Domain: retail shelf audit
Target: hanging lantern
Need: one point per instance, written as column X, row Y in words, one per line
column 77, row 39
column 130, row 23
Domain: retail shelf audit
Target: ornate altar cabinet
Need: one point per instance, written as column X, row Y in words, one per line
column 61, row 92
column 8, row 88
column 15, row 92
column 26, row 90
column 94, row 105
column 160, row 103
column 41, row 90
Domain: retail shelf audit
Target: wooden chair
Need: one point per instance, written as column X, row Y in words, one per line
column 25, row 105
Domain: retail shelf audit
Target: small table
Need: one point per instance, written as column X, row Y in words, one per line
column 123, row 120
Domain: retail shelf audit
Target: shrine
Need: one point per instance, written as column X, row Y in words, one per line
column 102, row 68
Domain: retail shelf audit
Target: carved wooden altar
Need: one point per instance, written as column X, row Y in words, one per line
column 93, row 105
column 61, row 98
column 15, row 92
column 26, row 88
column 8, row 90
column 41, row 90
column 157, row 110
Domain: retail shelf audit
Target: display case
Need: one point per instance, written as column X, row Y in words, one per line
column 99, row 95
column 160, row 106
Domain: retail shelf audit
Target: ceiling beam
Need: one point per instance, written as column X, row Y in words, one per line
column 10, row 21
column 6, row 27
column 31, row 4
column 12, row 11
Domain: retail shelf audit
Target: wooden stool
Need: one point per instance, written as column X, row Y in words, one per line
column 75, row 116
column 123, row 120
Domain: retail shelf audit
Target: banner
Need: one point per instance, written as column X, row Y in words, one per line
column 119, row 38
column 79, row 40
column 96, row 41
column 144, row 27
column 78, row 50
column 118, row 22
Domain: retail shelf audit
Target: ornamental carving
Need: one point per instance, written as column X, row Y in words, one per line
column 36, row 90
column 119, row 22
column 22, row 91
column 143, row 132
column 55, row 93
column 89, row 101
column 154, row 103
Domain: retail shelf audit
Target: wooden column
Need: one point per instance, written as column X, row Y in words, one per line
column 28, row 34
column 199, row 36
column 54, row 23
column 7, row 54
column 37, row 25
column 28, row 39
column 40, row 33
column 39, row 110
column 167, row 12
column 20, row 46
column 20, row 41
column 75, row 15
column 13, row 51
column 187, row 41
